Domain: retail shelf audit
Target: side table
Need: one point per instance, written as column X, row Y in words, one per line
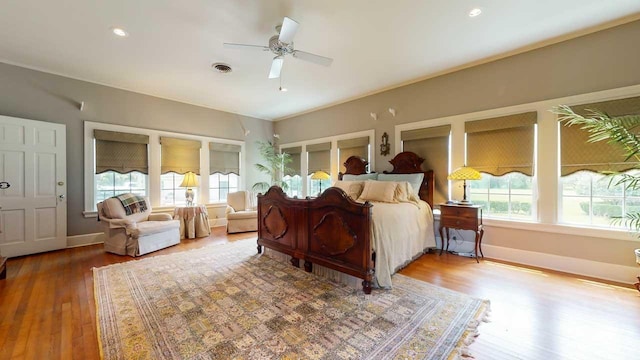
column 463, row 217
column 194, row 221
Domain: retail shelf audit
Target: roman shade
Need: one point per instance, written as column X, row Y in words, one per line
column 431, row 144
column 224, row 158
column 180, row 155
column 353, row 147
column 121, row 152
column 577, row 154
column 293, row 168
column 319, row 157
column 501, row 145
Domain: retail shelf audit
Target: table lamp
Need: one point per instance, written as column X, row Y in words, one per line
column 190, row 180
column 464, row 173
column 320, row 175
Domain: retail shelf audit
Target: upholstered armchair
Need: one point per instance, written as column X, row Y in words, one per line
column 242, row 214
column 136, row 234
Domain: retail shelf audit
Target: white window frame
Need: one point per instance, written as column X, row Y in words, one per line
column 335, row 160
column 547, row 193
column 154, row 149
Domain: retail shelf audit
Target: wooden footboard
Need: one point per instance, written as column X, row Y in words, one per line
column 331, row 230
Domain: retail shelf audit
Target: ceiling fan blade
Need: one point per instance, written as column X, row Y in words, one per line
column 288, row 30
column 276, row 67
column 245, row 46
column 316, row 59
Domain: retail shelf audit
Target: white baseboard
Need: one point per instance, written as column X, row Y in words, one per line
column 84, row 240
column 590, row 268
column 217, row 222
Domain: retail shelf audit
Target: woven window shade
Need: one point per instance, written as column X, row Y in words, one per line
column 319, row 157
column 224, row 158
column 294, row 165
column 180, row 155
column 353, row 147
column 502, row 145
column 577, row 154
column 432, row 144
column 121, row 152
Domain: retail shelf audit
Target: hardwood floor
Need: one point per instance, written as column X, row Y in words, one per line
column 47, row 308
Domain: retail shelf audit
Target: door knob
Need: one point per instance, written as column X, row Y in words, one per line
column 61, row 197
column 4, row 185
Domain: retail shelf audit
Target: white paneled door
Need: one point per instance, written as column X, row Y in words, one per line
column 33, row 214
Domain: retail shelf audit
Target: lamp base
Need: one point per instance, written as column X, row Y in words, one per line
column 465, row 202
column 188, row 195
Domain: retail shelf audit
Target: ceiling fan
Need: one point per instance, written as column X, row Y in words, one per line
column 282, row 45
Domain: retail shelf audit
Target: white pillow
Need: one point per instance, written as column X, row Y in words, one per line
column 414, row 179
column 382, row 191
column 352, row 188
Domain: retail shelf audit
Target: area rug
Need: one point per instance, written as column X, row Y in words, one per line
column 227, row 302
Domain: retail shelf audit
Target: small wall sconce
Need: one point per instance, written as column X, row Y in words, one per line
column 277, row 136
column 374, row 116
column 81, row 106
column 392, row 111
column 385, row 147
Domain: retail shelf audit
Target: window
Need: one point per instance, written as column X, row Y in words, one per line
column 508, row 196
column 502, row 148
column 585, row 195
column 121, row 164
column 352, row 147
column 170, row 191
column 179, row 156
column 432, row 144
column 220, row 185
column 292, row 176
column 318, row 159
column 224, row 170
column 111, row 183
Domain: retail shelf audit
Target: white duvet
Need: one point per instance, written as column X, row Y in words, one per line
column 400, row 232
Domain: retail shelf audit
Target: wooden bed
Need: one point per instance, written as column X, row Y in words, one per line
column 331, row 230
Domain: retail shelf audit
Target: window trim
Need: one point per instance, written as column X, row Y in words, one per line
column 153, row 178
column 547, row 158
column 335, row 166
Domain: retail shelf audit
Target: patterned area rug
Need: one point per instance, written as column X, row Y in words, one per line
column 227, row 302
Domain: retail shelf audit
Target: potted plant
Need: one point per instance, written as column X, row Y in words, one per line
column 274, row 165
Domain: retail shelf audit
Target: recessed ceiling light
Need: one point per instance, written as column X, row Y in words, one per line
column 475, row 12
column 119, row 32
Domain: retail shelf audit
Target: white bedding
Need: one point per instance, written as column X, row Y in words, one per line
column 400, row 232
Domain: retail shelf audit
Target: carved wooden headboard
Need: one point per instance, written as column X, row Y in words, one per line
column 406, row 162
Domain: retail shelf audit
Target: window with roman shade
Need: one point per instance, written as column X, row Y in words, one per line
column 121, row 152
column 224, row 170
column 502, row 148
column 224, row 158
column 586, row 195
column 431, row 144
column 503, row 144
column 576, row 153
column 180, row 155
column 293, row 168
column 319, row 157
column 353, row 147
column 293, row 173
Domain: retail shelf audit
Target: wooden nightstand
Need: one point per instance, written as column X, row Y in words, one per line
column 463, row 217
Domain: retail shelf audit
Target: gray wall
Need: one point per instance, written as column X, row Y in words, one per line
column 603, row 60
column 36, row 95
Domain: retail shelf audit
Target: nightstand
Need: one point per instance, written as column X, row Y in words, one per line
column 463, row 217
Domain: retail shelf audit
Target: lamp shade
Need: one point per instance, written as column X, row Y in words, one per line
column 320, row 175
column 190, row 180
column 464, row 173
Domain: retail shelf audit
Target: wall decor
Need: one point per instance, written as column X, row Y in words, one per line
column 385, row 147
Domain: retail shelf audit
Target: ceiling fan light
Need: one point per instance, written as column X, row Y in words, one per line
column 119, row 32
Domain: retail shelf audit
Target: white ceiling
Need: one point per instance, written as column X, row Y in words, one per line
column 375, row 44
